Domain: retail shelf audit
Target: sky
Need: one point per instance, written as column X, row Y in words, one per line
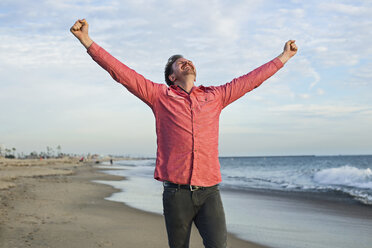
column 52, row 93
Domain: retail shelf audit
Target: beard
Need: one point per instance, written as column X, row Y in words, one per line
column 189, row 71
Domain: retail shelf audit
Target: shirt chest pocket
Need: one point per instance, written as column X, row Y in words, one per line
column 205, row 99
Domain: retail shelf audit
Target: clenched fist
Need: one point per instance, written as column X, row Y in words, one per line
column 80, row 30
column 290, row 49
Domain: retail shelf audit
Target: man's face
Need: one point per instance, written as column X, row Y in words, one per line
column 182, row 67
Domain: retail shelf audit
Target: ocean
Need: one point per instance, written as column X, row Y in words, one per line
column 287, row 201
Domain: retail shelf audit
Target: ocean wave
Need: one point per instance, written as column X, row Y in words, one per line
column 352, row 181
column 345, row 176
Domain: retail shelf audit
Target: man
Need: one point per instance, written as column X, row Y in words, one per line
column 187, row 122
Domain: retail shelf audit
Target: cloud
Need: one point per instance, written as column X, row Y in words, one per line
column 320, row 91
column 296, row 13
column 305, row 96
column 46, row 74
column 343, row 8
column 323, row 111
column 361, row 74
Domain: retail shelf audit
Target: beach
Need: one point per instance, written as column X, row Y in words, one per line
column 54, row 203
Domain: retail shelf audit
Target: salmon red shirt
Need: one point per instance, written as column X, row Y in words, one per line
column 186, row 124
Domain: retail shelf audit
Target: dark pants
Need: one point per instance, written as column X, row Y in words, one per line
column 204, row 207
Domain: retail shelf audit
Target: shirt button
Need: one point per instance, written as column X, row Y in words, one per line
column 195, row 150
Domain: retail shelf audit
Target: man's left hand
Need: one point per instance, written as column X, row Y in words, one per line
column 290, row 49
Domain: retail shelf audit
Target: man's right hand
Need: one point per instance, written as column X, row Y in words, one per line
column 80, row 30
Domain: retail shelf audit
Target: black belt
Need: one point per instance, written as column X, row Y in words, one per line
column 167, row 184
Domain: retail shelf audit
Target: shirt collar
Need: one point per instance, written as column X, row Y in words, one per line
column 194, row 88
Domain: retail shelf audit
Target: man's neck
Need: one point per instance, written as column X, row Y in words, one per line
column 185, row 85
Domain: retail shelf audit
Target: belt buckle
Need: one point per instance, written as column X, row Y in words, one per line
column 166, row 184
column 194, row 188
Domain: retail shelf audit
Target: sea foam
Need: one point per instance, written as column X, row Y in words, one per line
column 345, row 176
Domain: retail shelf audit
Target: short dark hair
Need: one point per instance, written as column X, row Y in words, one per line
column 168, row 68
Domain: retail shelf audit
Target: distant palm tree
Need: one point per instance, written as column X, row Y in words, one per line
column 50, row 151
column 59, row 148
column 8, row 153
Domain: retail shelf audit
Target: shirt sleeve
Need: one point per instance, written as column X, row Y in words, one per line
column 137, row 84
column 238, row 87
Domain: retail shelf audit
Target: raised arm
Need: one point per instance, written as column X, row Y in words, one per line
column 239, row 86
column 141, row 87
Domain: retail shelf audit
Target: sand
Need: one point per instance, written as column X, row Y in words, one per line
column 53, row 203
